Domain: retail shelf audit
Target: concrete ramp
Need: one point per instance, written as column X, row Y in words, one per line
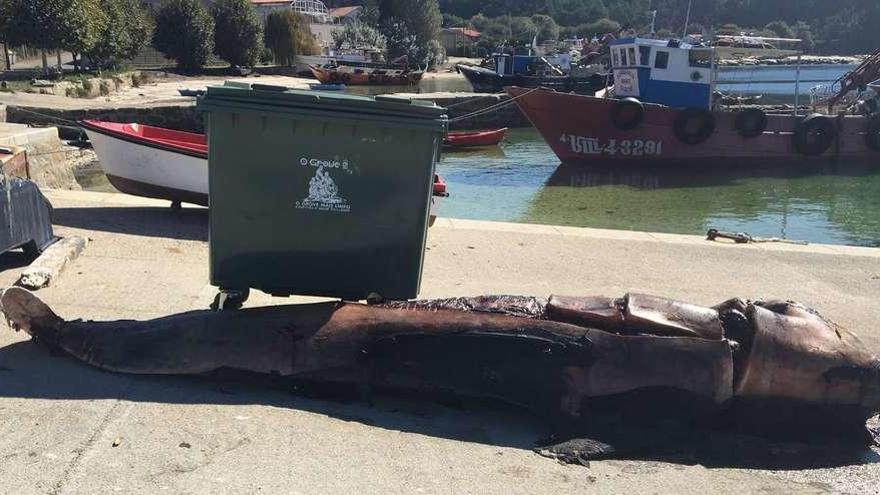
column 28, row 137
column 50, row 161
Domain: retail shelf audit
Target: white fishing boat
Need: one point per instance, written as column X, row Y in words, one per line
column 150, row 161
column 154, row 162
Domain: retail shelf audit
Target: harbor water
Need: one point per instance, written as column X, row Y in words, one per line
column 522, row 181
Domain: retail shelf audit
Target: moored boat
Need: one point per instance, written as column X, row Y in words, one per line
column 529, row 72
column 472, row 139
column 327, row 87
column 664, row 112
column 154, row 162
column 150, row 161
column 363, row 76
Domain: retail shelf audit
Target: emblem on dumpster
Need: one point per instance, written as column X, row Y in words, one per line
column 323, row 194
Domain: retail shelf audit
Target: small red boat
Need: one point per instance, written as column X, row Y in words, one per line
column 472, row 139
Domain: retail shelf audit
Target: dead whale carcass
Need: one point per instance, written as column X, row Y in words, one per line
column 565, row 357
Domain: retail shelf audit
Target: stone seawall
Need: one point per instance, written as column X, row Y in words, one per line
column 183, row 117
column 462, row 104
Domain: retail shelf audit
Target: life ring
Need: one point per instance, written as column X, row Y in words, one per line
column 627, row 114
column 694, row 125
column 814, row 134
column 751, row 122
column 872, row 137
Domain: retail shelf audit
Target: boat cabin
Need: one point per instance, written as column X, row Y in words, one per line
column 508, row 65
column 666, row 72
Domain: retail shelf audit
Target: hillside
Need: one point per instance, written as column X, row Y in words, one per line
column 836, row 26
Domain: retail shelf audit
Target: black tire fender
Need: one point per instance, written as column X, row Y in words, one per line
column 814, row 134
column 751, row 122
column 627, row 114
column 872, row 136
column 694, row 125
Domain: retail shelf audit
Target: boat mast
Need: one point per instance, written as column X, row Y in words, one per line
column 797, row 86
column 687, row 19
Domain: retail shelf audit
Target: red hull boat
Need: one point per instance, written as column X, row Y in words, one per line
column 366, row 76
column 582, row 129
column 471, row 139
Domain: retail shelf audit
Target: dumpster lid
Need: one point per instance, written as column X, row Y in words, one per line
column 390, row 105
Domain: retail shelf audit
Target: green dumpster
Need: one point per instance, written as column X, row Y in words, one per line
column 319, row 193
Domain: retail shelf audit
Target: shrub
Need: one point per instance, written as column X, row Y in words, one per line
column 412, row 28
column 184, row 32
column 359, row 35
column 402, row 42
column 288, row 34
column 123, row 36
column 238, row 33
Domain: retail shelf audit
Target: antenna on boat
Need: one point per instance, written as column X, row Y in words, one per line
column 653, row 21
column 687, row 19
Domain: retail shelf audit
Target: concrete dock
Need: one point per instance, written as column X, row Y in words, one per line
column 68, row 428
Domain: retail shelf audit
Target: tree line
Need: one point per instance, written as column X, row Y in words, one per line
column 832, row 26
column 105, row 34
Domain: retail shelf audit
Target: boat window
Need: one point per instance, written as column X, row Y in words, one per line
column 700, row 58
column 632, row 55
column 623, row 57
column 645, row 54
column 616, row 56
column 661, row 61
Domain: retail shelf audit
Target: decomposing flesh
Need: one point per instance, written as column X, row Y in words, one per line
column 772, row 363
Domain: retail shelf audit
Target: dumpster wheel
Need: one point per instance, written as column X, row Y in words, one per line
column 230, row 300
column 374, row 298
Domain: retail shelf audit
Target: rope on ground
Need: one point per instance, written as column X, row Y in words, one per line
column 492, row 108
column 56, row 118
column 746, row 238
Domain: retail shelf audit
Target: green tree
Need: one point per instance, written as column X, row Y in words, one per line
column 6, row 14
column 729, row 29
column 359, row 35
column 412, row 28
column 123, row 36
column 238, row 32
column 450, row 20
column 71, row 25
column 287, row 35
column 803, row 32
column 546, row 27
column 370, row 14
column 184, row 32
column 404, row 43
column 603, row 26
column 780, row 29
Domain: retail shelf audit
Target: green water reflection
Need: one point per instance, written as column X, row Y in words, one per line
column 837, row 203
